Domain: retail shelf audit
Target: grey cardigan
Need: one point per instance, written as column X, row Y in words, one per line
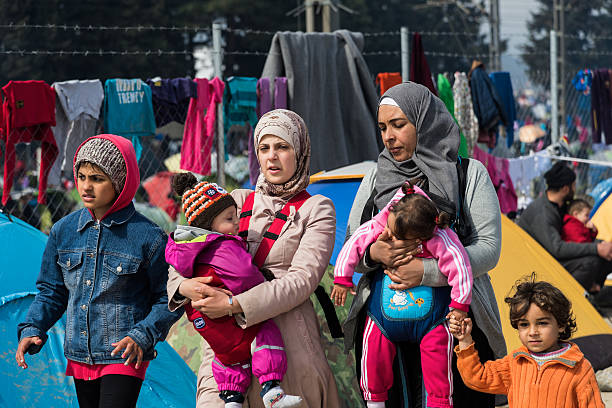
column 482, row 210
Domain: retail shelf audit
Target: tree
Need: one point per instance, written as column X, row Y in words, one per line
column 458, row 16
column 95, row 13
column 588, row 33
column 448, row 52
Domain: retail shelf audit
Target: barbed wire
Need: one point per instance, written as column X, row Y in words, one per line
column 94, row 52
column 76, row 27
column 257, row 53
column 243, row 31
column 381, row 34
column 240, row 31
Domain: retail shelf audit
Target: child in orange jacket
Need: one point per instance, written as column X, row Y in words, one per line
column 548, row 371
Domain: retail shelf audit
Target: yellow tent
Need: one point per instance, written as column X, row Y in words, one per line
column 522, row 255
column 603, row 221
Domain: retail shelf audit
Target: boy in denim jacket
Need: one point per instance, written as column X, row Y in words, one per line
column 104, row 266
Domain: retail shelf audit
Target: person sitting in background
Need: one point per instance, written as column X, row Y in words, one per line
column 577, row 225
column 587, row 262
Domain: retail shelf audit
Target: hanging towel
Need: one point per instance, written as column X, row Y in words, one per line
column 446, row 94
column 76, row 115
column 330, row 87
column 498, row 169
column 487, row 104
column 601, row 107
column 419, row 68
column 128, row 110
column 386, row 80
column 264, row 105
column 464, row 112
column 171, row 98
column 240, row 108
column 28, row 112
column 280, row 93
column 503, row 85
column 199, row 129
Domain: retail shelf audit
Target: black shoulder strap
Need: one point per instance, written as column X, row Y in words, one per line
column 370, row 209
column 462, row 226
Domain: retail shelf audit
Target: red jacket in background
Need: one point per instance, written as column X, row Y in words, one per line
column 575, row 231
column 28, row 112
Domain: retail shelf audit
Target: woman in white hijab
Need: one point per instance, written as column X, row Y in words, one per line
column 298, row 260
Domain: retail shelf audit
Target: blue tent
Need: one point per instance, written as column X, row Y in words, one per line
column 169, row 381
column 601, row 191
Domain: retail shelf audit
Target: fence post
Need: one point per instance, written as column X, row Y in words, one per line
column 217, row 61
column 554, row 91
column 405, row 54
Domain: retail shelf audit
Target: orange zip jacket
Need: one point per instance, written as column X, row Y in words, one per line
column 566, row 381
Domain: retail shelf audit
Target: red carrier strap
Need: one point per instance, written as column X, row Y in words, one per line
column 271, row 235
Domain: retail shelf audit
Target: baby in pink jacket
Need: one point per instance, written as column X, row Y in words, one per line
column 409, row 215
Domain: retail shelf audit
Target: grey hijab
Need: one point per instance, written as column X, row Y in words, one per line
column 437, row 145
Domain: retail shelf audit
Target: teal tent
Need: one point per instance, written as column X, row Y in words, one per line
column 169, row 381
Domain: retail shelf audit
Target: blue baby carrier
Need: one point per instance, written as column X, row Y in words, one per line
column 406, row 315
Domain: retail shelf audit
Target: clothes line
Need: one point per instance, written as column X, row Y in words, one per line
column 576, row 159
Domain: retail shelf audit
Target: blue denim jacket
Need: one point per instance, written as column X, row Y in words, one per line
column 110, row 277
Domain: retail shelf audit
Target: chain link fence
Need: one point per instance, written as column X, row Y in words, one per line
column 159, row 158
column 532, row 95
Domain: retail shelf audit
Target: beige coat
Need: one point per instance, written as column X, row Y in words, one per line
column 298, row 260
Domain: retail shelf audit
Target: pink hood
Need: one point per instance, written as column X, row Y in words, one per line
column 132, row 178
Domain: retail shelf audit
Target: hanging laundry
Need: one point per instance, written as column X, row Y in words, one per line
column 239, row 105
column 76, row 113
column 487, row 104
column 280, row 93
column 446, row 94
column 329, row 87
column 386, row 80
column 601, row 107
column 464, row 111
column 523, row 170
column 128, row 110
column 28, row 112
column 583, row 80
column 419, row 68
column 171, row 98
column 199, row 129
column 264, row 105
column 503, row 85
column 498, row 169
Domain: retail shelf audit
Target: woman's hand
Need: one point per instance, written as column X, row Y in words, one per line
column 393, row 252
column 23, row 347
column 132, row 351
column 407, row 275
column 215, row 303
column 193, row 288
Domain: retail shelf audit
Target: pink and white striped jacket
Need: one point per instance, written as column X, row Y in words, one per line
column 444, row 246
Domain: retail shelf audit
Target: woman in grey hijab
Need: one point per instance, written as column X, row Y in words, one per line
column 421, row 143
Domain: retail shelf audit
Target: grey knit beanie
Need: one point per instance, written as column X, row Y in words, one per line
column 104, row 154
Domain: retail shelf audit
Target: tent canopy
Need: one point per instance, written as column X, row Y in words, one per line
column 169, row 382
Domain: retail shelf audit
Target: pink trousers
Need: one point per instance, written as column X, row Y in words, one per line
column 269, row 362
column 377, row 358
